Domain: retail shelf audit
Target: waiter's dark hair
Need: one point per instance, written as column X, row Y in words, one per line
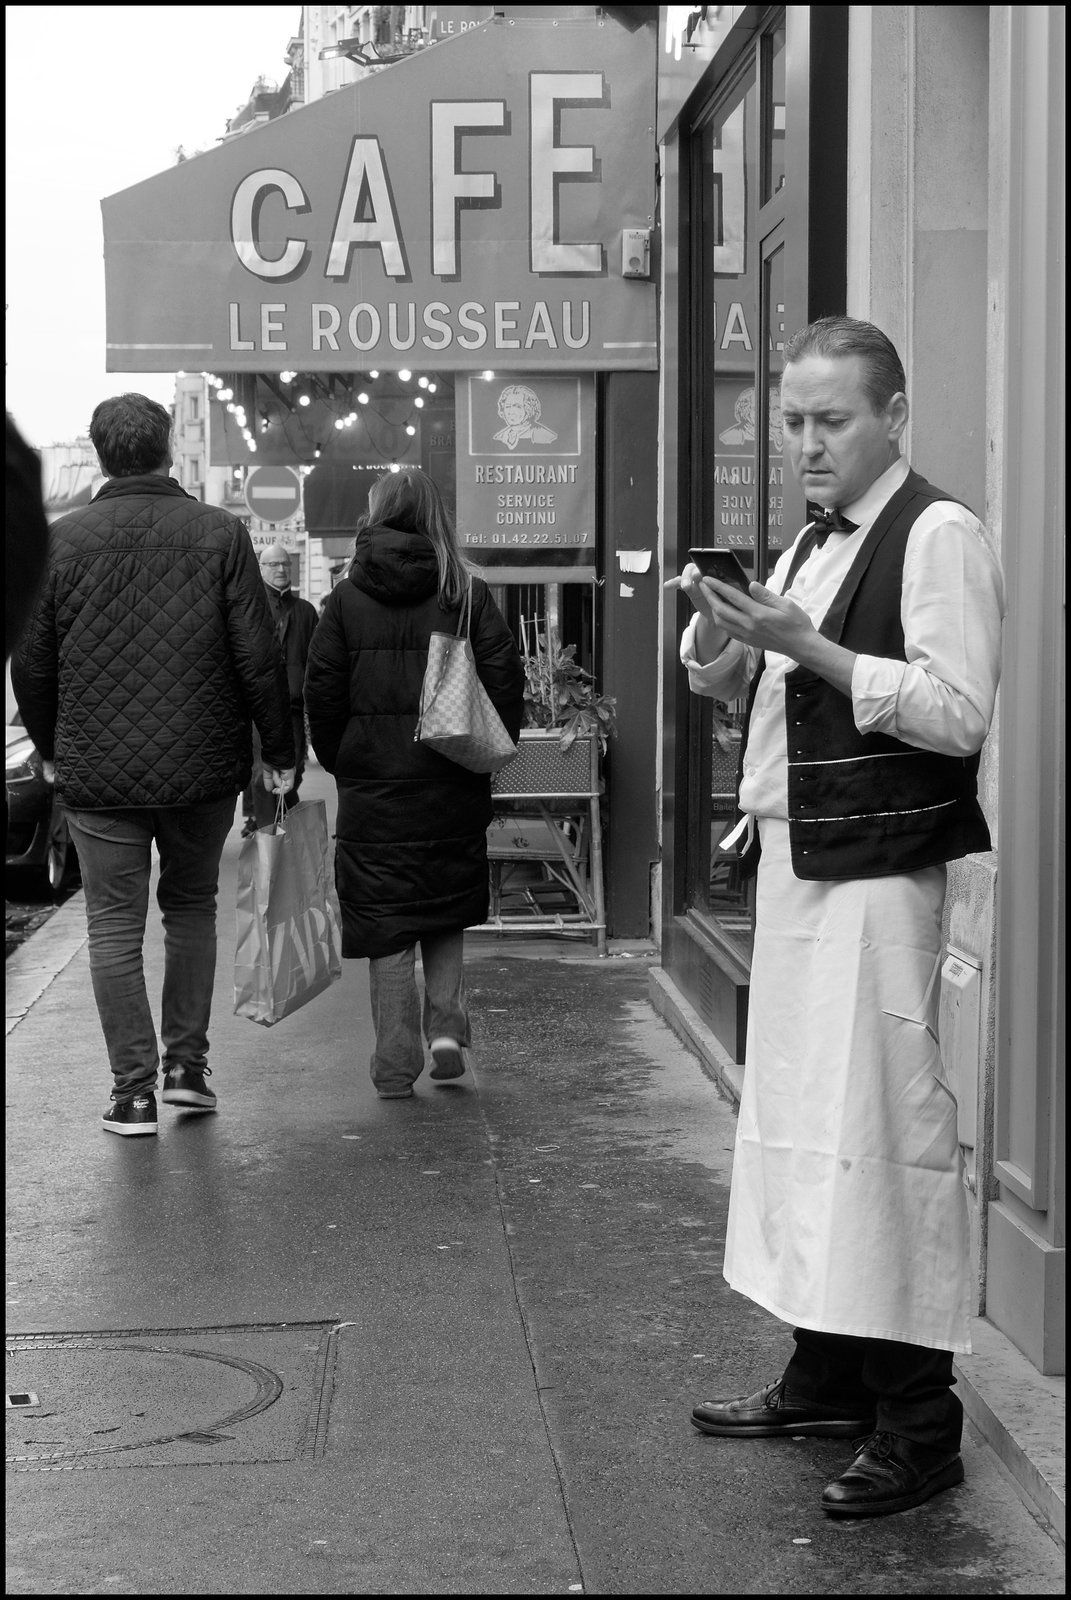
column 837, row 337
column 131, row 434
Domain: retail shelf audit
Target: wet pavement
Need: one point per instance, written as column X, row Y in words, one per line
column 28, row 905
column 444, row 1345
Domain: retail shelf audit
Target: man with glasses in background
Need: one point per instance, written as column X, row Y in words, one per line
column 295, row 621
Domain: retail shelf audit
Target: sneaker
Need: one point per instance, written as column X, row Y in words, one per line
column 449, row 1059
column 402, row 1092
column 132, row 1117
column 186, row 1086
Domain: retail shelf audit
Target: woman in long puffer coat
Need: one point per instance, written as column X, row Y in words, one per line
column 411, row 831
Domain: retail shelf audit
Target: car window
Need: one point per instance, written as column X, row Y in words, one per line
column 12, row 717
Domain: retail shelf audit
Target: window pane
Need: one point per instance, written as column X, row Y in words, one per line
column 773, row 118
column 774, row 321
column 738, row 495
column 728, row 509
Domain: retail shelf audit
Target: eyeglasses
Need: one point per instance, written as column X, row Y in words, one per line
column 285, row 564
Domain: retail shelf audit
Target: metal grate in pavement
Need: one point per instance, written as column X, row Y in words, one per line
column 169, row 1396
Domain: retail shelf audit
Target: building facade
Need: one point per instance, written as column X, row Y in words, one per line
column 601, row 224
column 903, row 164
column 70, row 476
column 443, row 257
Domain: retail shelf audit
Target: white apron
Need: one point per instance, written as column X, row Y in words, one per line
column 847, row 1212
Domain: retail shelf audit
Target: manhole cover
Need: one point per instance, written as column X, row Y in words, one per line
column 164, row 1397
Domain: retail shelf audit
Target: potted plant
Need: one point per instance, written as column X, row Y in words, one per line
column 567, row 723
column 560, row 694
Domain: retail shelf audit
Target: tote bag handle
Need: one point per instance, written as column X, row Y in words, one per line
column 464, row 620
column 464, row 630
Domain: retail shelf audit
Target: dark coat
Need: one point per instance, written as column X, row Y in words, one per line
column 411, row 853
column 150, row 648
column 295, row 623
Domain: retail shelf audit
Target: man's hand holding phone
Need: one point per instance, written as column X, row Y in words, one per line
column 706, row 570
column 732, row 606
column 725, row 565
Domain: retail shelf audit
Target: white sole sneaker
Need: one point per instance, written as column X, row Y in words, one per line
column 449, row 1059
column 113, row 1122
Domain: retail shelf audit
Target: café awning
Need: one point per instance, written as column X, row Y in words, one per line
column 463, row 209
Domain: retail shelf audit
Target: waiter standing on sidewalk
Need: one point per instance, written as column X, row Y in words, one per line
column 873, row 659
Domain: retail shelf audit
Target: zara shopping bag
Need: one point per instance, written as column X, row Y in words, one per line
column 289, row 927
column 457, row 717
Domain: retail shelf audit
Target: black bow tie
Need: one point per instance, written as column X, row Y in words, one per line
column 826, row 522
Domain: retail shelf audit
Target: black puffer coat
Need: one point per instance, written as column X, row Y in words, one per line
column 411, row 854
column 150, row 648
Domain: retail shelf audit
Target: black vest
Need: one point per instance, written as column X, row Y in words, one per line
column 864, row 805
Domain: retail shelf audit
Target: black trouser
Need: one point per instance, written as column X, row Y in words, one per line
column 910, row 1385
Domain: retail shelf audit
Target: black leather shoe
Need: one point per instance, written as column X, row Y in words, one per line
column 137, row 1116
column 891, row 1474
column 776, row 1411
column 186, row 1087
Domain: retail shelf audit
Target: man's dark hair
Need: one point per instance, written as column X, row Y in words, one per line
column 837, row 337
column 131, row 434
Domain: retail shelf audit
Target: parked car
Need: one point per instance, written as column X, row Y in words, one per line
column 37, row 833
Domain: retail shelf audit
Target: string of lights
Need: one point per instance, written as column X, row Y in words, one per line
column 302, row 411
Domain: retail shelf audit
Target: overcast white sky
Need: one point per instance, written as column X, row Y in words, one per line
column 99, row 98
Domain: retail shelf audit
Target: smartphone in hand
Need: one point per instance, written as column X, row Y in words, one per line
column 725, row 565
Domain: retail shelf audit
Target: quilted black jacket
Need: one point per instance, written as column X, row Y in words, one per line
column 411, row 851
column 150, row 648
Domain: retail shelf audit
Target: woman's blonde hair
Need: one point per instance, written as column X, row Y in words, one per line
column 410, row 501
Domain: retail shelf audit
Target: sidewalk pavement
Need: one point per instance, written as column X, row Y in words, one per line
column 1016, row 1409
column 446, row 1345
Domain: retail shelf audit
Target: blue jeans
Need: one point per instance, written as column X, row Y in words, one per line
column 114, row 852
column 396, row 1010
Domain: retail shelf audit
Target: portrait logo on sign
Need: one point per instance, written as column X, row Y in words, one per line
column 521, row 410
column 538, row 417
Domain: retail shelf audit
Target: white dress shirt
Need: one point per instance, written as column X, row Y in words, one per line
column 941, row 698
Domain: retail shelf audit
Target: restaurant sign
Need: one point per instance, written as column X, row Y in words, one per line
column 461, row 209
column 526, row 476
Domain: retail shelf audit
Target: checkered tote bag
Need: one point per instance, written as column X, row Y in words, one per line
column 457, row 717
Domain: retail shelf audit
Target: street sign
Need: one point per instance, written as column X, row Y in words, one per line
column 263, row 539
column 273, row 493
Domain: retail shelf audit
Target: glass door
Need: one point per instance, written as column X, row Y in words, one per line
column 737, row 195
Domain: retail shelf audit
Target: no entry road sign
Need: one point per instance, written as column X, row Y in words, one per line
column 273, row 493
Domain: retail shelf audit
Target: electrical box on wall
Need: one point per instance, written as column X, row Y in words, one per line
column 958, row 1029
column 636, row 252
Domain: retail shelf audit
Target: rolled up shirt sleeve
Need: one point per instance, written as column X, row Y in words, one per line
column 943, row 696
column 726, row 677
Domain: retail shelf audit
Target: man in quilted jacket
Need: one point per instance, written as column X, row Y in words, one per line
column 149, row 655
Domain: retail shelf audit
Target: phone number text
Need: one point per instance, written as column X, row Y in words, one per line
column 532, row 537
